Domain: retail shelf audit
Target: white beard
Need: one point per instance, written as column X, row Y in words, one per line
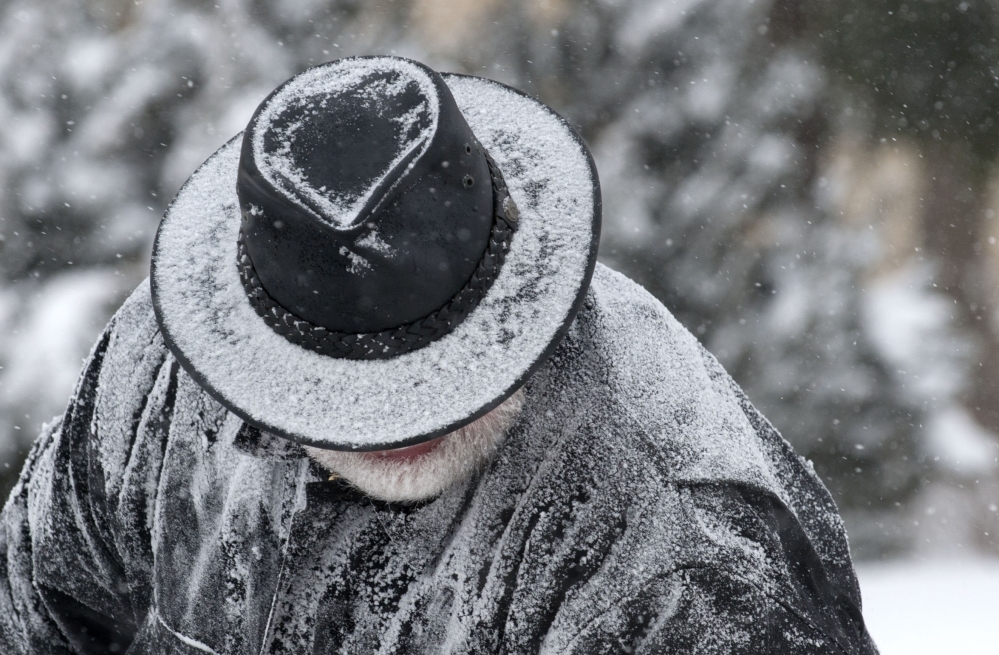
column 460, row 454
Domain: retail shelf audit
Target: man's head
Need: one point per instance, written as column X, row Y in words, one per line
column 367, row 207
column 384, row 256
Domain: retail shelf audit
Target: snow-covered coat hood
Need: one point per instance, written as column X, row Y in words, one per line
column 640, row 504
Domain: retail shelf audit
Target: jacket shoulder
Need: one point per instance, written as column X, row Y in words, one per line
column 661, row 377
column 677, row 409
column 758, row 542
column 82, row 509
column 712, row 568
column 707, row 610
column 128, row 369
column 133, row 326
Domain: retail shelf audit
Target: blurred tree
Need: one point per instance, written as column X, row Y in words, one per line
column 928, row 72
column 708, row 120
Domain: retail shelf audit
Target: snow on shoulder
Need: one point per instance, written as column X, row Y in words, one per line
column 388, row 97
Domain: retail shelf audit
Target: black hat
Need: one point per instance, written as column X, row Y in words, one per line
column 384, row 255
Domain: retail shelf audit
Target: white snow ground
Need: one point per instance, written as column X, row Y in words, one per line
column 944, row 606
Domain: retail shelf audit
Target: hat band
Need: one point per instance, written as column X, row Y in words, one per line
column 405, row 338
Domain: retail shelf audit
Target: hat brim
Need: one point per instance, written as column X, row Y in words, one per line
column 210, row 326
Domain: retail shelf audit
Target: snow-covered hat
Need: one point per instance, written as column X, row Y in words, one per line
column 383, row 256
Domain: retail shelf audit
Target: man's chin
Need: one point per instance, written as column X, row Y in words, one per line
column 422, row 472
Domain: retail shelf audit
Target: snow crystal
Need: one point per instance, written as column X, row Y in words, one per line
column 358, row 264
column 364, row 404
column 374, row 242
column 371, row 80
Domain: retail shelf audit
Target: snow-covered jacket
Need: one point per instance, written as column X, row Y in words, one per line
column 639, row 505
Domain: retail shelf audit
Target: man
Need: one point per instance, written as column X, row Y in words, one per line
column 378, row 397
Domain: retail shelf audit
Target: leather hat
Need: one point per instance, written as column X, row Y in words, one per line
column 382, row 256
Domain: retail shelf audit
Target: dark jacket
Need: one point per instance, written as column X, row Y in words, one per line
column 640, row 505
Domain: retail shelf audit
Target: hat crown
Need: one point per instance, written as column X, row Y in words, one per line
column 367, row 202
column 331, row 137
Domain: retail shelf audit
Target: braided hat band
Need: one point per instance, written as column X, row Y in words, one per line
column 405, row 338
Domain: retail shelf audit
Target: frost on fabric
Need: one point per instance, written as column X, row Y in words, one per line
column 372, row 83
column 207, row 317
column 358, row 264
column 372, row 241
column 639, row 503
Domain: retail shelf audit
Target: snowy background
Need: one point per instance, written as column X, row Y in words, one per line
column 810, row 186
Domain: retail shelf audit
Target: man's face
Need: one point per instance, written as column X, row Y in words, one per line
column 425, row 470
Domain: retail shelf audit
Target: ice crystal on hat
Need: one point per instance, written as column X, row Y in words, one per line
column 344, row 99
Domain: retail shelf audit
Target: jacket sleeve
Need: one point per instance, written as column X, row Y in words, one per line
column 756, row 585
column 704, row 610
column 75, row 555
